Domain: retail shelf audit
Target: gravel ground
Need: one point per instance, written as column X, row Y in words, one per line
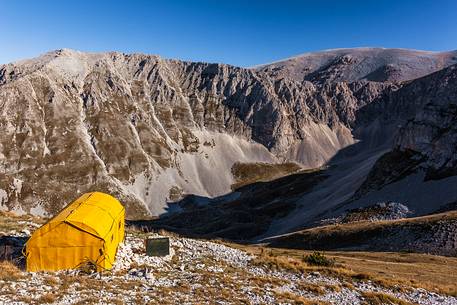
column 195, row 272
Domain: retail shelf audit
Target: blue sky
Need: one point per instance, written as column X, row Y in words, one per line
column 243, row 33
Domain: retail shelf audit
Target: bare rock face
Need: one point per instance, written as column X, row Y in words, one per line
column 151, row 130
column 432, row 131
column 425, row 112
column 406, row 154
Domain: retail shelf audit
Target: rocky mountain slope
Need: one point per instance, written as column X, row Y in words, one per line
column 424, row 151
column 435, row 234
column 151, row 130
column 406, row 155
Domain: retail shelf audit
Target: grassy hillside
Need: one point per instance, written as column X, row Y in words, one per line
column 389, row 269
column 436, row 234
column 248, row 173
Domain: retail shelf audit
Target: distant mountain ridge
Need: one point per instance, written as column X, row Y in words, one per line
column 370, row 64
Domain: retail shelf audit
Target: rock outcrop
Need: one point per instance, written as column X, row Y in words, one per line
column 425, row 112
column 432, row 132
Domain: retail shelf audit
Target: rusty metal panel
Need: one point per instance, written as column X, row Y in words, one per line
column 158, row 246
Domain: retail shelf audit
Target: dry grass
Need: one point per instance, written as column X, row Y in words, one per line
column 116, row 302
column 50, row 281
column 363, row 233
column 25, row 299
column 291, row 298
column 163, row 232
column 310, row 287
column 10, row 221
column 9, row 272
column 83, row 282
column 261, row 281
column 272, row 261
column 88, row 300
column 434, row 273
column 348, row 285
column 397, row 271
column 47, row 298
column 365, row 225
column 248, row 173
column 8, row 214
column 379, row 298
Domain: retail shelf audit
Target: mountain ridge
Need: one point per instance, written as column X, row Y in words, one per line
column 355, row 64
column 152, row 130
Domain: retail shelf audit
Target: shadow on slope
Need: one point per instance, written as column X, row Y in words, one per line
column 241, row 215
column 252, row 207
column 11, row 250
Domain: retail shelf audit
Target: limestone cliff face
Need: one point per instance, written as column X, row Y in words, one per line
column 407, row 154
column 424, row 114
column 150, row 130
column 432, row 131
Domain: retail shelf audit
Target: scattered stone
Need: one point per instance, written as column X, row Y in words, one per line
column 192, row 266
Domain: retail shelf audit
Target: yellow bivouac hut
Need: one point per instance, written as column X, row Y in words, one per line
column 88, row 230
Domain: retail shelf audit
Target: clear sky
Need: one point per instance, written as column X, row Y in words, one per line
column 243, row 33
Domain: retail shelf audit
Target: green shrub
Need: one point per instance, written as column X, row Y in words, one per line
column 319, row 259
